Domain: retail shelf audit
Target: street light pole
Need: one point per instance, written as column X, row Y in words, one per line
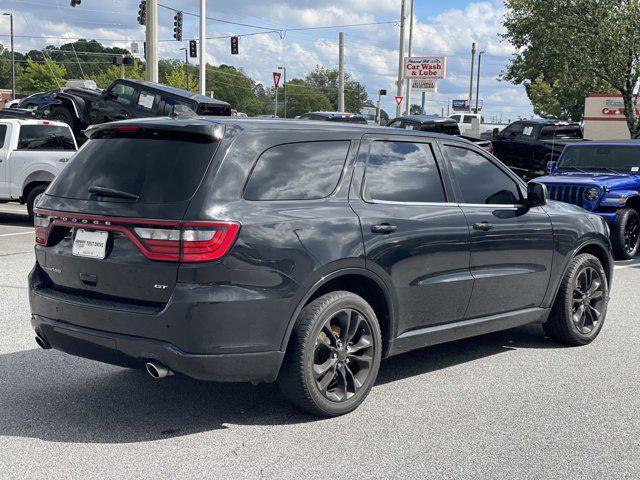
column 13, row 59
column 407, row 104
column 401, row 57
column 203, row 46
column 284, row 85
column 186, row 65
column 473, row 57
column 478, row 81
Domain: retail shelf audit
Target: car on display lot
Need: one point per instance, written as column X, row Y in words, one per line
column 529, row 144
column 80, row 107
column 32, row 153
column 338, row 117
column 245, row 250
column 436, row 124
column 36, row 100
column 602, row 177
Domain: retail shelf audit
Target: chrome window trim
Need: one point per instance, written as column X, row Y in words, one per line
column 417, row 204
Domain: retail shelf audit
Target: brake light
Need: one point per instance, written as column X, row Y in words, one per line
column 157, row 239
column 127, row 128
column 491, row 149
column 206, row 242
column 41, row 224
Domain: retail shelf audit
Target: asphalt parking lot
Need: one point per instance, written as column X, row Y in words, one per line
column 506, row 405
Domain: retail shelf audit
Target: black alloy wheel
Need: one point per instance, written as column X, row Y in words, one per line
column 631, row 234
column 333, row 355
column 588, row 299
column 343, row 355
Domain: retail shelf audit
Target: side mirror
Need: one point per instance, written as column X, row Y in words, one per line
column 495, row 133
column 551, row 167
column 536, row 194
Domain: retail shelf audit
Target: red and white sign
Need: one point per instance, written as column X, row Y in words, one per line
column 604, row 117
column 434, row 68
column 399, row 100
column 276, row 78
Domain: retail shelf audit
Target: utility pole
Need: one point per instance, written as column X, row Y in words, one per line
column 186, row 65
column 341, row 72
column 400, row 57
column 13, row 58
column 424, row 104
column 407, row 99
column 152, row 41
column 478, row 81
column 203, row 46
column 381, row 92
column 473, row 58
column 284, row 85
column 122, row 71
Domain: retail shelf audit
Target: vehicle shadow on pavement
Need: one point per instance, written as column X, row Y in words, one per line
column 15, row 219
column 60, row 398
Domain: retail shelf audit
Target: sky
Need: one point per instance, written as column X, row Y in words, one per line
column 442, row 27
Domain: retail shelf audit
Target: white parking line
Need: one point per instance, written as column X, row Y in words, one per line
column 14, row 234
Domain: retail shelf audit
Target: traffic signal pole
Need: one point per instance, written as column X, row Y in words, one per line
column 152, row 41
column 203, row 45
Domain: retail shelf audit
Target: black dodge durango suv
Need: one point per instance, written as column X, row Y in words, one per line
column 302, row 252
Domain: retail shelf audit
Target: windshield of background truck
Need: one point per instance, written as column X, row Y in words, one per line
column 621, row 158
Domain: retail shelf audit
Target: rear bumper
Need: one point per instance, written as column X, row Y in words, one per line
column 133, row 352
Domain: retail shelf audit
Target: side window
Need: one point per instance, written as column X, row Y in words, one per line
column 165, row 106
column 513, row 130
column 479, row 180
column 402, row 172
column 527, row 131
column 123, row 93
column 456, row 117
column 395, row 124
column 467, row 119
column 297, row 171
column 146, row 101
column 3, row 134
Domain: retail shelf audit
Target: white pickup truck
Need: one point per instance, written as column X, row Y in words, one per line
column 32, row 153
column 473, row 124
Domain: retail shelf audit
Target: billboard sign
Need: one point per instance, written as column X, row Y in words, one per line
column 463, row 105
column 428, row 85
column 434, row 68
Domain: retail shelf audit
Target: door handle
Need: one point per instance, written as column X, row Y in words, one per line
column 383, row 228
column 482, row 226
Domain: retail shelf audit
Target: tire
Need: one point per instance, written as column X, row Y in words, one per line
column 62, row 114
column 316, row 345
column 625, row 234
column 32, row 198
column 572, row 322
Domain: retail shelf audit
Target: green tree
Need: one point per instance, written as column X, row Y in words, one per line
column 5, row 66
column 236, row 87
column 114, row 72
column 570, row 48
column 177, row 77
column 302, row 98
column 355, row 94
column 38, row 77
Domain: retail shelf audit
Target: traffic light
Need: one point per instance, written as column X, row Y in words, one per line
column 193, row 49
column 382, row 92
column 127, row 60
column 75, row 2
column 177, row 26
column 234, row 45
column 142, row 13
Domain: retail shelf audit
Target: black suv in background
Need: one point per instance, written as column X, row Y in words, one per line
column 80, row 107
column 244, row 250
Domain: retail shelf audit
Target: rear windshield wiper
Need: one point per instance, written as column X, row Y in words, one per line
column 110, row 192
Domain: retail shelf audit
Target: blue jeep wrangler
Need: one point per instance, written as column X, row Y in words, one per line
column 602, row 177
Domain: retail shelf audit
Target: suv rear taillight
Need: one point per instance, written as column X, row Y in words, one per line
column 157, row 240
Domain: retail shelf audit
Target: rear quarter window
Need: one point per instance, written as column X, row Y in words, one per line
column 45, row 137
column 297, row 171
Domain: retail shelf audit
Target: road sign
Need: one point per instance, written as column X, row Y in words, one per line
column 134, row 47
column 276, row 78
column 428, row 86
column 399, row 100
column 434, row 68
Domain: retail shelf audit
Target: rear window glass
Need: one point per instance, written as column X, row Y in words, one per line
column 156, row 170
column 3, row 133
column 569, row 131
column 297, row 171
column 45, row 137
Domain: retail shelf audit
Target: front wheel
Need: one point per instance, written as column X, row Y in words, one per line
column 333, row 356
column 581, row 304
column 625, row 234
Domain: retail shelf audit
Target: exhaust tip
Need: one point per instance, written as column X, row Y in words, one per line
column 42, row 343
column 157, row 370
